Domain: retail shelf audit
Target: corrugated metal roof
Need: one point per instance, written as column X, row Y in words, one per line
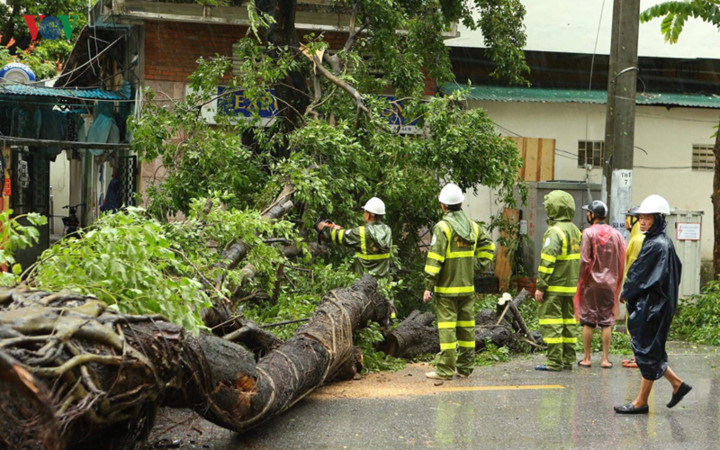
column 534, row 95
column 42, row 91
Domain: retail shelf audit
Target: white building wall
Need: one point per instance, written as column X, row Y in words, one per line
column 667, row 135
column 582, row 26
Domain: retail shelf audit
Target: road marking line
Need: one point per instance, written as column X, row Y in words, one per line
column 417, row 390
column 516, row 387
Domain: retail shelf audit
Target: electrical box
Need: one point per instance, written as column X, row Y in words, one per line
column 533, row 217
column 685, row 228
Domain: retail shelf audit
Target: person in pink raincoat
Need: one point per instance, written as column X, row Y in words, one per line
column 602, row 264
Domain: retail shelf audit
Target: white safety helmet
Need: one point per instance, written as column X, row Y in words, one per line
column 451, row 194
column 375, row 206
column 654, row 204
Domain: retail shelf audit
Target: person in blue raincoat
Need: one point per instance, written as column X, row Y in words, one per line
column 651, row 295
column 113, row 196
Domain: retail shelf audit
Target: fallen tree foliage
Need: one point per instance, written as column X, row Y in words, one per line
column 79, row 375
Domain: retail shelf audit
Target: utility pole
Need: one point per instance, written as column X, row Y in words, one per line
column 620, row 116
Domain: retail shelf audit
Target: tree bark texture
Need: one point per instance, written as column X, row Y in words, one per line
column 76, row 374
column 293, row 91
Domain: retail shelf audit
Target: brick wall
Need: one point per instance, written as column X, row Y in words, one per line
column 172, row 48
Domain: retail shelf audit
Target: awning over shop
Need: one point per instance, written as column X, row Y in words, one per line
column 533, row 95
column 70, row 93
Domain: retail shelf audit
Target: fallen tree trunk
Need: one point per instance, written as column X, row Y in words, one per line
column 416, row 335
column 78, row 375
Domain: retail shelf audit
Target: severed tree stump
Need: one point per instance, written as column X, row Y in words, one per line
column 417, row 335
column 414, row 336
column 76, row 374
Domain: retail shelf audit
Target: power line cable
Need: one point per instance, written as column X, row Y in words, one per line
column 592, row 67
column 558, row 151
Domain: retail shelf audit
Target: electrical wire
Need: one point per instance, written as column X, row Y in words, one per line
column 662, row 167
column 78, row 67
column 562, row 153
column 558, row 151
column 655, row 116
column 592, row 67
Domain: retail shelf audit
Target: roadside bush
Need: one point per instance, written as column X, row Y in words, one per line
column 698, row 317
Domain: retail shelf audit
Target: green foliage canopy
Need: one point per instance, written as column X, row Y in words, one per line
column 676, row 13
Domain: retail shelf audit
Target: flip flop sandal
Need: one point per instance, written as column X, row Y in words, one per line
column 584, row 365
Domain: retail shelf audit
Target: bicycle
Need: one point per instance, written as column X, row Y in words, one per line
column 71, row 221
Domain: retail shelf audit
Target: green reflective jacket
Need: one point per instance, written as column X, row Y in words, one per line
column 560, row 255
column 372, row 242
column 456, row 241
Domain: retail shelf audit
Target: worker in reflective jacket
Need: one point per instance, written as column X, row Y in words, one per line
column 371, row 241
column 557, row 282
column 449, row 270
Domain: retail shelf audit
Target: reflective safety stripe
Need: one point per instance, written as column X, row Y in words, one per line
column 341, row 234
column 363, row 253
column 571, row 321
column 449, row 346
column 432, row 270
column 544, row 269
column 562, row 289
column 563, row 256
column 560, row 340
column 448, row 234
column 548, row 258
column 435, row 256
column 551, row 321
column 466, row 344
column 446, row 325
column 466, row 323
column 564, row 239
column 568, row 257
column 446, row 229
column 373, row 257
column 485, row 255
column 487, row 247
column 455, row 290
column 363, row 245
column 333, row 234
column 464, row 254
column 450, row 254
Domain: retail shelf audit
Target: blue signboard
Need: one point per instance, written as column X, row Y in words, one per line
column 396, row 117
column 235, row 104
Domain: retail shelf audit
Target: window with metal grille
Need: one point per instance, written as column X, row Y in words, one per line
column 703, row 158
column 591, row 153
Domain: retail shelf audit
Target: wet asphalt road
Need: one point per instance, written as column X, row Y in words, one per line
column 509, row 405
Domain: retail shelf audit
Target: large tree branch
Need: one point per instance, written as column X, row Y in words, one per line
column 81, row 396
column 337, row 81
